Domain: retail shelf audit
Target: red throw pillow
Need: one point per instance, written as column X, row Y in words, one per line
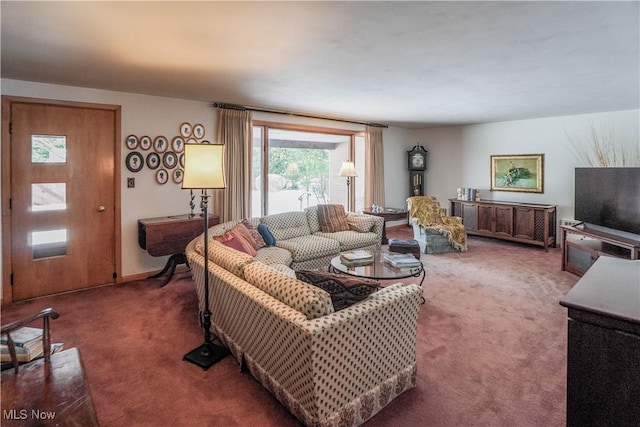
column 240, row 242
column 332, row 218
column 241, row 230
column 241, row 245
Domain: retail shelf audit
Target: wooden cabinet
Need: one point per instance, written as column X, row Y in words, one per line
column 520, row 222
column 581, row 247
column 603, row 345
column 169, row 235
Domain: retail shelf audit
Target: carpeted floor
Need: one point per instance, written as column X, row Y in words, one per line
column 491, row 348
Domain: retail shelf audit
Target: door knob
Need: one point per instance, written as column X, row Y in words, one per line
column 101, row 208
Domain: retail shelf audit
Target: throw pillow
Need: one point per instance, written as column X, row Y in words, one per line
column 240, row 243
column 260, row 243
column 332, row 218
column 242, row 231
column 343, row 290
column 269, row 239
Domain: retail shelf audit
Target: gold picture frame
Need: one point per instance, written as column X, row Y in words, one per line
column 517, row 172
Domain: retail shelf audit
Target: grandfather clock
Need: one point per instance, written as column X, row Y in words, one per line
column 417, row 166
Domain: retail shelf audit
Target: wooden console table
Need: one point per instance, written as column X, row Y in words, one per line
column 169, row 235
column 389, row 214
column 519, row 222
column 603, row 351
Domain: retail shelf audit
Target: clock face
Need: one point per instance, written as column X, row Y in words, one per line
column 417, row 160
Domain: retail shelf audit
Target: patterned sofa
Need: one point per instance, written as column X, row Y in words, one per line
column 327, row 368
column 300, row 242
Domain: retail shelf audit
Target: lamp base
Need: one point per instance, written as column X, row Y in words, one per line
column 206, row 355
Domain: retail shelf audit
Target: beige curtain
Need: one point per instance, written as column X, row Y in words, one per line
column 234, row 131
column 374, row 167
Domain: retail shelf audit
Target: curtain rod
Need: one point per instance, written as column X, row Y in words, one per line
column 289, row 113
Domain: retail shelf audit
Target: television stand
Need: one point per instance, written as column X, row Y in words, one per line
column 581, row 247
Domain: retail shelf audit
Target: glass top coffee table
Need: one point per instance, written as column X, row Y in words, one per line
column 376, row 269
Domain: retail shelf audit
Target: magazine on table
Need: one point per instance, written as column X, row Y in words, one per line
column 356, row 256
column 402, row 260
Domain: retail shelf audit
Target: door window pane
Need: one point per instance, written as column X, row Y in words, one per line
column 48, row 197
column 48, row 149
column 49, row 243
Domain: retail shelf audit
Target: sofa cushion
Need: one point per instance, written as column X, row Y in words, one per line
column 230, row 259
column 343, row 290
column 332, row 218
column 312, row 218
column 287, row 225
column 310, row 247
column 349, row 240
column 274, row 255
column 311, row 301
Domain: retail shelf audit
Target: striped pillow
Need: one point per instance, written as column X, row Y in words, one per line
column 332, row 218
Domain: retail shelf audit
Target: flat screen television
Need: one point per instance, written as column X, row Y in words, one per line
column 608, row 200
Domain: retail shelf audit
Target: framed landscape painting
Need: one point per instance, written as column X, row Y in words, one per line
column 518, row 172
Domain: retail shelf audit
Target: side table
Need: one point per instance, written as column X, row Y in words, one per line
column 389, row 214
column 169, row 235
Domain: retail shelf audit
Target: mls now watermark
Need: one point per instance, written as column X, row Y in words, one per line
column 27, row 414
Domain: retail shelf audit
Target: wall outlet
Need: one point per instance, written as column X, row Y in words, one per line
column 131, row 182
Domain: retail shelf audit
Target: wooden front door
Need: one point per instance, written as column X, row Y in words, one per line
column 62, row 197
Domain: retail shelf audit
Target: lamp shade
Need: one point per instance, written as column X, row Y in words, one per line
column 203, row 166
column 348, row 169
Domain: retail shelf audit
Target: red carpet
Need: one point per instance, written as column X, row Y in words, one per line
column 491, row 348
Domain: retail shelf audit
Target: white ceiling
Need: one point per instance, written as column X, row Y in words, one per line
column 411, row 64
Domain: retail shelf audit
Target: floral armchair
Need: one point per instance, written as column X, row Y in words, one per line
column 434, row 231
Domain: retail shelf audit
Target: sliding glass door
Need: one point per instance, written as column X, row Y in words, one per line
column 302, row 168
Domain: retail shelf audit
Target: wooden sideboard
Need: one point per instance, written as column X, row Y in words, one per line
column 169, row 235
column 603, row 345
column 519, row 222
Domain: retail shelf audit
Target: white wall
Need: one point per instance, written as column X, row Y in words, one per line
column 473, row 145
column 141, row 115
column 458, row 156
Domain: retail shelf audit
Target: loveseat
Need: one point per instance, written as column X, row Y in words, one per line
column 327, row 367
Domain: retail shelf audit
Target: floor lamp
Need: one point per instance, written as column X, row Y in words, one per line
column 204, row 170
column 348, row 170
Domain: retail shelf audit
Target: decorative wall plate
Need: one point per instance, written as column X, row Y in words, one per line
column 169, row 160
column 177, row 144
column 162, row 176
column 145, row 142
column 178, row 174
column 206, row 142
column 181, row 160
column 153, row 160
column 186, row 130
column 198, row 131
column 132, row 142
column 192, row 141
column 160, row 144
column 134, row 161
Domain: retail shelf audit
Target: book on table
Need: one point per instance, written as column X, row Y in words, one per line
column 23, row 336
column 402, row 260
column 356, row 256
column 27, row 353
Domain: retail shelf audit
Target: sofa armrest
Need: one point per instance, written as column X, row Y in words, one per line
column 360, row 347
column 365, row 223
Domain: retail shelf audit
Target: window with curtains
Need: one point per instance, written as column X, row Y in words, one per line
column 294, row 167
